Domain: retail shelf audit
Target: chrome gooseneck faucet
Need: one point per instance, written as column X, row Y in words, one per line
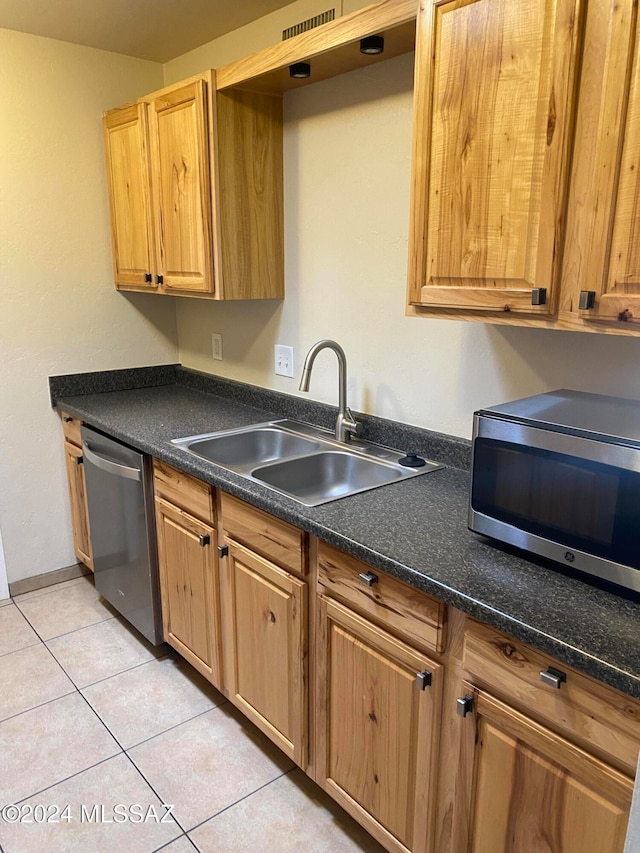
column 346, row 425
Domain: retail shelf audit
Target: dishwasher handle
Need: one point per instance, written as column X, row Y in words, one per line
column 110, row 467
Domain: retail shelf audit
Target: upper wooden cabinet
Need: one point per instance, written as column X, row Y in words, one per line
column 195, row 184
column 603, row 228
column 181, row 188
column 526, row 172
column 127, row 151
column 494, row 102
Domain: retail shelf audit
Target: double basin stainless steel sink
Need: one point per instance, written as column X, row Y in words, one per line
column 301, row 461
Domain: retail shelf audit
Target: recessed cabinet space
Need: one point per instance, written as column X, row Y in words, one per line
column 188, row 566
column 188, row 216
column 77, row 491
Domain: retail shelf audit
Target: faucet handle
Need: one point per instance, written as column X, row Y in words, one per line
column 351, row 424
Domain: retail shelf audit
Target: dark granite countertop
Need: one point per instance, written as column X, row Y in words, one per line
column 415, row 530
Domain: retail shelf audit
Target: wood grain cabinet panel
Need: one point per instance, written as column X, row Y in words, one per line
column 599, row 718
column 603, row 245
column 182, row 187
column 524, row 789
column 78, row 500
column 266, row 639
column 377, row 730
column 188, row 584
column 276, row 540
column 494, row 97
column 402, row 609
column 127, row 152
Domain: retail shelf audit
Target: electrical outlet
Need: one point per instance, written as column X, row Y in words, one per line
column 283, row 360
column 216, row 346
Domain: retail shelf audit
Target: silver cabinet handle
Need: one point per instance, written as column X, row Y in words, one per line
column 423, row 680
column 553, row 677
column 109, row 466
column 368, row 578
column 464, row 705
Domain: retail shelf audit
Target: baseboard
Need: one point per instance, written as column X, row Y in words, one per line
column 48, row 579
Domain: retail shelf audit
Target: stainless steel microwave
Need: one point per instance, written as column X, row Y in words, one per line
column 558, row 475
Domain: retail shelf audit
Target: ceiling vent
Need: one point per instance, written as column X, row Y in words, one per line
column 309, row 24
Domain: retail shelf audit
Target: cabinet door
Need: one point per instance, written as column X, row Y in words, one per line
column 78, row 499
column 126, row 146
column 189, row 588
column 528, row 790
column 267, row 624
column 182, row 188
column 603, row 245
column 493, row 112
column 377, row 727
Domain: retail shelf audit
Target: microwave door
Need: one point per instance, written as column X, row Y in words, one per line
column 568, row 498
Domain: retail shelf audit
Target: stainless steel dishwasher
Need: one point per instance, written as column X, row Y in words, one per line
column 120, row 501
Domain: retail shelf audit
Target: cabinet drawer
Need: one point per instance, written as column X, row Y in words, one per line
column 276, row 540
column 596, row 715
column 395, row 605
column 183, row 491
column 71, row 428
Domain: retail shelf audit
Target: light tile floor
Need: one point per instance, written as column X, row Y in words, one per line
column 99, row 729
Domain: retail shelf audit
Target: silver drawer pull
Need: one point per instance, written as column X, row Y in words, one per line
column 553, row 677
column 368, row 578
column 464, row 705
column 423, row 679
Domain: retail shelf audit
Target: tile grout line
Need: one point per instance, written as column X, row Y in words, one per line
column 98, row 763
column 162, row 799
column 67, row 778
column 75, row 630
column 169, row 843
column 133, row 764
column 41, row 704
column 47, row 590
column 246, row 797
column 122, row 672
column 123, row 751
column 175, row 726
column 22, row 648
column 65, row 634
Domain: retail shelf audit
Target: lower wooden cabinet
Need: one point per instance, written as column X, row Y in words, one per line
column 378, row 710
column 265, row 638
column 521, row 788
column 514, row 766
column 187, row 561
column 78, row 500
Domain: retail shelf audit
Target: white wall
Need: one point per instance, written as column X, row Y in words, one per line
column 347, row 179
column 4, row 583
column 59, row 312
